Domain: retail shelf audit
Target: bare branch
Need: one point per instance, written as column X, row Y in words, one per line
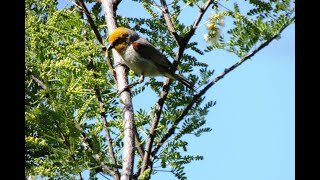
column 40, row 83
column 160, row 170
column 182, row 46
column 204, row 90
column 168, row 20
column 97, row 156
column 154, row 125
column 91, row 22
column 139, row 144
column 186, row 39
column 125, row 97
column 104, row 120
column 98, row 36
column 84, row 9
column 104, row 176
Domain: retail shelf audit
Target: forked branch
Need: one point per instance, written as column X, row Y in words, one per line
column 205, row 89
column 146, row 163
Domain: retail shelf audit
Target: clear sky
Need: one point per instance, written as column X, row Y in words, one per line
column 253, row 122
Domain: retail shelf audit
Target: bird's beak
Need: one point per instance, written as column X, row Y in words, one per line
column 110, row 46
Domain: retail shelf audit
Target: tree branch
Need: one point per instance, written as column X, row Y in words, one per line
column 97, row 157
column 109, row 139
column 159, row 106
column 125, row 97
column 40, row 83
column 182, row 46
column 139, row 144
column 104, row 120
column 98, row 36
column 168, row 20
column 80, row 176
column 185, row 39
column 91, row 22
column 116, row 173
column 204, row 90
column 104, row 167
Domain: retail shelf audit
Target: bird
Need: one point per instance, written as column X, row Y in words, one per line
column 142, row 57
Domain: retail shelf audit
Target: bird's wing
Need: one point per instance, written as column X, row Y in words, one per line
column 147, row 51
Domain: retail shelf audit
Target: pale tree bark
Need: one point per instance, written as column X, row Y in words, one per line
column 125, row 97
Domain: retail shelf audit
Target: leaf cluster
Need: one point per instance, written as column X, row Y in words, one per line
column 64, row 67
column 263, row 21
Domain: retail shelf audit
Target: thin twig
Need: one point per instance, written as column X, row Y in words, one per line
column 159, row 106
column 97, row 91
column 88, row 147
column 160, row 170
column 182, row 46
column 154, row 3
column 98, row 36
column 104, row 176
column 204, row 90
column 168, row 20
column 186, row 39
column 183, row 42
column 40, row 83
column 139, row 145
column 104, row 120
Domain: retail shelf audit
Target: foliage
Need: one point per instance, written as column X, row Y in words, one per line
column 59, row 47
column 65, row 68
column 259, row 24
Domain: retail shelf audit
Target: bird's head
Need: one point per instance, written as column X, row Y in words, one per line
column 121, row 38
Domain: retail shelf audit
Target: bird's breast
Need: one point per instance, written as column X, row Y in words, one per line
column 138, row 64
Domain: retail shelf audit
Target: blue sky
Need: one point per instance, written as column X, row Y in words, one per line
column 253, row 122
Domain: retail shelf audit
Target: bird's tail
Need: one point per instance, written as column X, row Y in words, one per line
column 182, row 80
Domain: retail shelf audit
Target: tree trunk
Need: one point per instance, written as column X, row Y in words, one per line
column 125, row 97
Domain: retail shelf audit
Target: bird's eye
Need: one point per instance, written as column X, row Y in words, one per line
column 117, row 41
